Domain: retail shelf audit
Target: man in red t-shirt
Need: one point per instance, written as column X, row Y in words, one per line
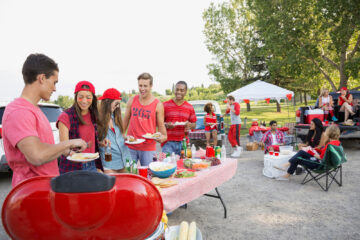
column 27, row 134
column 178, row 112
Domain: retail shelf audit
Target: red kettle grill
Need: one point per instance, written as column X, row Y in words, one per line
column 82, row 205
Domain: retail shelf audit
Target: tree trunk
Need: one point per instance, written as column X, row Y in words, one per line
column 305, row 100
column 278, row 108
column 294, row 100
column 343, row 77
column 248, row 109
column 301, row 101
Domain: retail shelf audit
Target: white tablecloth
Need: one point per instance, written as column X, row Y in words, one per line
column 270, row 161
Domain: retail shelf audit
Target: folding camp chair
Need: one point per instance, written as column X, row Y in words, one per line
column 329, row 167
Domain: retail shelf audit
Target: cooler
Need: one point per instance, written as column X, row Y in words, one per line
column 82, row 205
column 314, row 113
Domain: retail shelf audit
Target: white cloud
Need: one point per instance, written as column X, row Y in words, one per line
column 106, row 42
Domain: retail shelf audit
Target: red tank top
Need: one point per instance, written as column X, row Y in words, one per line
column 341, row 101
column 142, row 121
column 210, row 119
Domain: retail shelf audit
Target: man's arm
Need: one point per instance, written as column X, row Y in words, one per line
column 38, row 153
column 160, row 122
column 191, row 124
column 127, row 116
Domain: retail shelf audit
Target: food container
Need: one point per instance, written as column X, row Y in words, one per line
column 154, row 166
column 72, row 207
column 286, row 150
column 158, row 234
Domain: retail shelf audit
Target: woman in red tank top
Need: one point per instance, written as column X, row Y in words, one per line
column 210, row 124
column 345, row 103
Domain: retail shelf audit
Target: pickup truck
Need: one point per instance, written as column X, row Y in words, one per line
column 347, row 132
column 199, row 133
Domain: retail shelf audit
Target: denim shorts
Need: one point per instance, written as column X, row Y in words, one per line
column 172, row 146
column 145, row 157
column 211, row 130
column 89, row 166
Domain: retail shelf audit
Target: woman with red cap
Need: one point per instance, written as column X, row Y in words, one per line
column 79, row 121
column 111, row 128
column 345, row 103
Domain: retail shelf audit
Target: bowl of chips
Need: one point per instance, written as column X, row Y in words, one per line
column 162, row 169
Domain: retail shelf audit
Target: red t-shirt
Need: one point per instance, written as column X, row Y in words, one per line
column 87, row 132
column 210, row 119
column 174, row 113
column 22, row 119
column 341, row 101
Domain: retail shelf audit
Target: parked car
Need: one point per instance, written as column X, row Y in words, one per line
column 200, row 113
column 51, row 111
column 347, row 132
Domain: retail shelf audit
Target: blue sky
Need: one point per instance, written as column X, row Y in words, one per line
column 106, row 42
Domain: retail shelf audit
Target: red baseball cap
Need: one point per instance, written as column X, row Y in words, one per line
column 79, row 87
column 111, row 93
column 344, row 88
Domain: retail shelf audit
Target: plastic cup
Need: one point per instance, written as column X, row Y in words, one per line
column 271, row 152
column 143, row 171
column 276, row 154
column 326, row 122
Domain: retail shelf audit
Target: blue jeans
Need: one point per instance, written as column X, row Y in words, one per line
column 172, row 146
column 145, row 157
column 295, row 161
column 89, row 166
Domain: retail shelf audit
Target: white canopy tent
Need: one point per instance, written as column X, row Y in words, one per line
column 260, row 90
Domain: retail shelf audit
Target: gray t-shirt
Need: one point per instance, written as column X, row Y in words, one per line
column 235, row 119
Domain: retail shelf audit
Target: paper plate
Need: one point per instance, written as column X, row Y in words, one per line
column 70, row 158
column 149, row 137
column 173, row 232
column 179, row 123
column 138, row 141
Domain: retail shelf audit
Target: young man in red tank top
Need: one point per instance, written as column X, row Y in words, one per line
column 144, row 113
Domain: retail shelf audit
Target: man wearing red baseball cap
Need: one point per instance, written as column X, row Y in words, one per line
column 27, row 135
column 345, row 103
column 144, row 113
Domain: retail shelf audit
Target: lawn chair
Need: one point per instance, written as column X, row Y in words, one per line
column 329, row 166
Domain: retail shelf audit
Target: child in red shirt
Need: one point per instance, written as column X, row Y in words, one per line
column 210, row 124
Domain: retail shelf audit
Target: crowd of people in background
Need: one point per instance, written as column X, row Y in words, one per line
column 94, row 124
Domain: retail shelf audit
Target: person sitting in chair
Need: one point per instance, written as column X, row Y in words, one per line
column 313, row 160
column 273, row 138
column 316, row 137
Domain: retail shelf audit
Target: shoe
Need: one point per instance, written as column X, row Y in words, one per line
column 236, row 154
column 281, row 178
column 334, row 119
column 279, row 168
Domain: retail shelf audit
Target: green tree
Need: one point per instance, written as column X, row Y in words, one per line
column 309, row 41
column 64, row 101
column 168, row 92
column 230, row 37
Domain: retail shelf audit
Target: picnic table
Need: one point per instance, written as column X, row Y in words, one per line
column 189, row 189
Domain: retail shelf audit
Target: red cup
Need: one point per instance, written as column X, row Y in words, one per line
column 276, row 154
column 143, row 171
column 271, row 152
column 326, row 122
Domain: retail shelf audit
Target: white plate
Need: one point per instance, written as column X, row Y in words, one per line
column 173, row 231
column 179, row 123
column 82, row 160
column 138, row 141
column 150, row 137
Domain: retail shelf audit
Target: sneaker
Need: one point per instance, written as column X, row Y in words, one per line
column 236, row 154
column 281, row 178
column 334, row 119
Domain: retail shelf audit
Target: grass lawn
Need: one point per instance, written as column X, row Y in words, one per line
column 264, row 112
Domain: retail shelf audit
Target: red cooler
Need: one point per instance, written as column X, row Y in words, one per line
column 82, row 205
column 314, row 113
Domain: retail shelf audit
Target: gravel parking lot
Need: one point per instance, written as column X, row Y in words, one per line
column 263, row 208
